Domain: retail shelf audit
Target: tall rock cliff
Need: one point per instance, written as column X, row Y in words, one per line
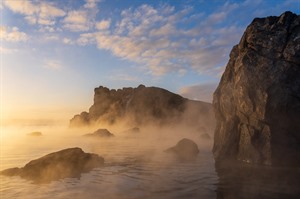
column 143, row 106
column 257, row 103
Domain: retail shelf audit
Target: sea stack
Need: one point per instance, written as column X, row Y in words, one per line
column 257, row 103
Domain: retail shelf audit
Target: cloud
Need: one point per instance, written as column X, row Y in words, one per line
column 202, row 92
column 156, row 40
column 76, row 21
column 124, row 77
column 103, row 25
column 12, row 34
column 91, row 4
column 53, row 64
column 82, row 19
column 67, row 41
column 4, row 50
column 42, row 13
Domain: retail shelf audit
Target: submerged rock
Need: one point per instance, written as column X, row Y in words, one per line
column 257, row 103
column 35, row 133
column 54, row 166
column 185, row 149
column 100, row 133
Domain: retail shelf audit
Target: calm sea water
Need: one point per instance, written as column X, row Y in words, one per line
column 135, row 167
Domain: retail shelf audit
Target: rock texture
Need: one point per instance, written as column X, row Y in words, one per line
column 54, row 166
column 143, row 105
column 257, row 103
column 185, row 149
column 100, row 133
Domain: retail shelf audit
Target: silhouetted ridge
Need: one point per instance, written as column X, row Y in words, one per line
column 142, row 105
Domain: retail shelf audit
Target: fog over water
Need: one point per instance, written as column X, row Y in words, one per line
column 135, row 164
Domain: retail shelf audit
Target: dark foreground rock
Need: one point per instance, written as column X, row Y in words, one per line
column 257, row 103
column 54, row 166
column 185, row 149
column 100, row 133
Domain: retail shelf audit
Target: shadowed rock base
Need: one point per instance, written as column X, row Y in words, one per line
column 243, row 181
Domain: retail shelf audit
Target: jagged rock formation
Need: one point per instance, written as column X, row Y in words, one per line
column 143, row 105
column 100, row 133
column 257, row 103
column 54, row 166
column 185, row 149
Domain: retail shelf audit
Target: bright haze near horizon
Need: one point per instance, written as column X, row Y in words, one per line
column 54, row 53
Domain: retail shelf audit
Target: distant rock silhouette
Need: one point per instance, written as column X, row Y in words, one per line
column 185, row 149
column 100, row 133
column 35, row 133
column 143, row 105
column 257, row 103
column 54, row 166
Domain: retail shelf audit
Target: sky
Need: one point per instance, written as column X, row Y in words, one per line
column 54, row 53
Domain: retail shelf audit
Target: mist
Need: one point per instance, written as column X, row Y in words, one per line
column 131, row 159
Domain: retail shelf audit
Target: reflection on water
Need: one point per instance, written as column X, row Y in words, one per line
column 136, row 167
column 133, row 169
column 240, row 181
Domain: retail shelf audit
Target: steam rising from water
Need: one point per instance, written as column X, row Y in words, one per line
column 135, row 164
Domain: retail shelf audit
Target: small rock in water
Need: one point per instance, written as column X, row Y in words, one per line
column 185, row 149
column 100, row 133
column 205, row 136
column 54, row 166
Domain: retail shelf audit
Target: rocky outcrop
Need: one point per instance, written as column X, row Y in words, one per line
column 54, row 166
column 143, row 105
column 185, row 149
column 257, row 103
column 100, row 133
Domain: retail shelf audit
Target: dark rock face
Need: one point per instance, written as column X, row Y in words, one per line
column 54, row 166
column 185, row 149
column 100, row 133
column 140, row 106
column 257, row 103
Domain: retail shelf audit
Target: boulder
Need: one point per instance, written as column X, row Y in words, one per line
column 257, row 102
column 66, row 163
column 100, row 133
column 185, row 149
